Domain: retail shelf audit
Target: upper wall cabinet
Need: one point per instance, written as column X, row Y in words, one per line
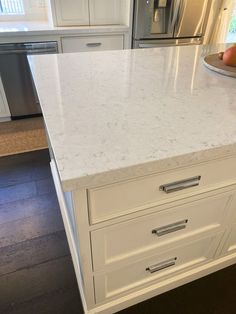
column 103, row 12
column 70, row 12
column 89, row 12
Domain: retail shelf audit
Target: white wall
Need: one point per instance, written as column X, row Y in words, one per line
column 219, row 21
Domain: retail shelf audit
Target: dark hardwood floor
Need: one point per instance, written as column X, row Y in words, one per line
column 36, row 271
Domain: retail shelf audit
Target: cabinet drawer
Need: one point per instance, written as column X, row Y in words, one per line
column 156, row 231
column 92, row 43
column 154, row 269
column 114, row 200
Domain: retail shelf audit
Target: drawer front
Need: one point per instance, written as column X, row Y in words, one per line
column 126, row 197
column 92, row 43
column 156, row 231
column 152, row 270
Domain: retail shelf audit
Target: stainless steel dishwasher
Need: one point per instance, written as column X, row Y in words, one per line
column 17, row 79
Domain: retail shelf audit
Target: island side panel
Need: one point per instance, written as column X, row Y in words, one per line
column 73, row 206
column 80, row 205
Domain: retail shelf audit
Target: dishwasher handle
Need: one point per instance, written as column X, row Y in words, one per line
column 29, row 48
column 29, row 52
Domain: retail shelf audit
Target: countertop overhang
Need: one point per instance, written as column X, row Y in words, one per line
column 121, row 114
column 24, row 29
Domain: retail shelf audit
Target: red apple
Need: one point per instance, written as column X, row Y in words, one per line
column 229, row 57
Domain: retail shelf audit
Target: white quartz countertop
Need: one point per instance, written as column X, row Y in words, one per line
column 26, row 28
column 123, row 114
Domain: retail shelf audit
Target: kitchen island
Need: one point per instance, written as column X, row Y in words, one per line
column 143, row 149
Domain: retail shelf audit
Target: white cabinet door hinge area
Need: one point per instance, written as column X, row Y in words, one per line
column 105, row 12
column 4, row 109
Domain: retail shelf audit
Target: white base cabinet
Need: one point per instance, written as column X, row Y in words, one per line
column 146, row 245
column 142, row 273
column 92, row 43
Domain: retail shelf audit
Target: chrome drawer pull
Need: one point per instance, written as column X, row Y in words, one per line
column 180, row 185
column 160, row 266
column 180, row 225
column 93, row 44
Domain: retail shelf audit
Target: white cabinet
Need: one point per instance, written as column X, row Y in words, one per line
column 91, row 12
column 154, row 269
column 163, row 229
column 70, row 12
column 144, row 236
column 119, row 199
column 92, row 43
column 4, row 109
column 103, row 12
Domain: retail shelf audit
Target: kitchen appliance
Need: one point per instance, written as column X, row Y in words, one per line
column 169, row 22
column 17, row 79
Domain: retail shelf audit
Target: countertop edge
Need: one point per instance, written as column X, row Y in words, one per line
column 70, row 30
column 149, row 168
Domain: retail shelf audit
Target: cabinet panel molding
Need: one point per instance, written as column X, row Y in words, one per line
column 105, row 12
column 71, row 12
column 176, row 224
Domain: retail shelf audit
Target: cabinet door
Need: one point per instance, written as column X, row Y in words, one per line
column 71, row 12
column 104, row 12
column 4, row 109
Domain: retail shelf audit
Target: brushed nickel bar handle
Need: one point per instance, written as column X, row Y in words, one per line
column 180, row 185
column 93, row 44
column 180, row 225
column 160, row 266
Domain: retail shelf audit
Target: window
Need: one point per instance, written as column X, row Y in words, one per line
column 232, row 28
column 11, row 7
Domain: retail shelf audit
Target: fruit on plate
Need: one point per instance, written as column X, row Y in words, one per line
column 229, row 56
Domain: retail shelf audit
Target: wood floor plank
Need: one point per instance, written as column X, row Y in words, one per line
column 27, row 208
column 41, row 170
column 37, row 281
column 17, row 192
column 45, row 186
column 17, row 172
column 58, row 302
column 13, row 175
column 24, row 159
column 32, row 252
column 31, row 227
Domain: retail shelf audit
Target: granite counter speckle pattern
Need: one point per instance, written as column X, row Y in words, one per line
column 123, row 114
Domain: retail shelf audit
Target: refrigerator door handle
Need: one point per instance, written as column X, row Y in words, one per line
column 175, row 15
column 182, row 6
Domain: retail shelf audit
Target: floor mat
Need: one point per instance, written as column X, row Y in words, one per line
column 22, row 136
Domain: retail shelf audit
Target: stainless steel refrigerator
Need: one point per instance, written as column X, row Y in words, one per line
column 169, row 22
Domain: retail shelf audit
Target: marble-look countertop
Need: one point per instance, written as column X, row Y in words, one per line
column 116, row 115
column 41, row 28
